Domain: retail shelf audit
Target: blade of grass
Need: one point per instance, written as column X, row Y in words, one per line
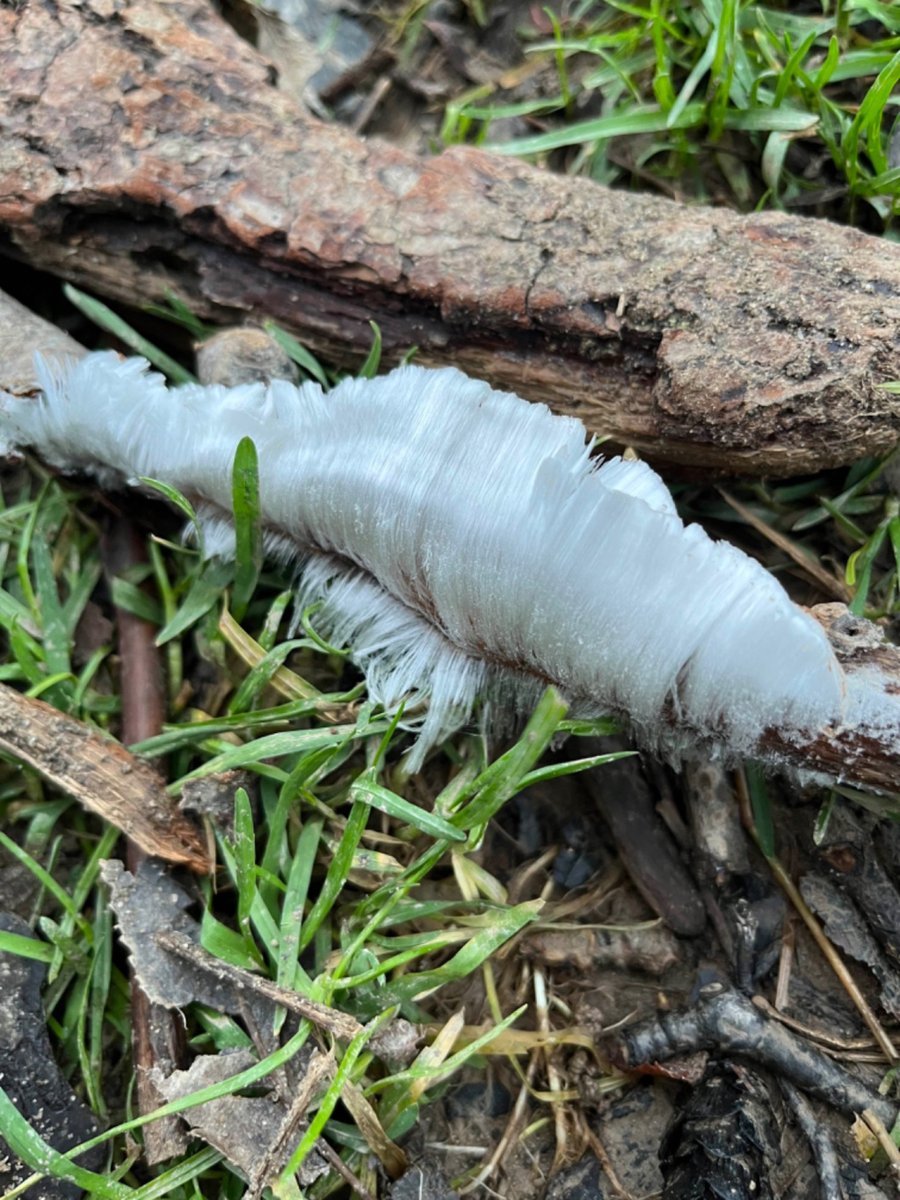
column 389, row 802
column 248, row 543
column 369, row 369
column 298, row 881
column 466, row 961
column 27, row 1144
column 297, row 353
column 103, row 316
column 205, row 592
column 338, row 870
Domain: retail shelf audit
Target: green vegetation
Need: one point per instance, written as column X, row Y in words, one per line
column 781, row 105
column 323, row 876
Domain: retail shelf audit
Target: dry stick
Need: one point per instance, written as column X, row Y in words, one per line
column 338, row 1165
column 843, row 1047
column 731, row 343
column 273, row 1158
column 512, row 1130
column 623, row 794
column 157, row 1035
column 830, row 585
column 819, row 1138
column 392, row 1157
column 727, row 1023
column 101, row 775
column 602, row 1156
column 785, row 963
column 832, row 957
column 340, row 1024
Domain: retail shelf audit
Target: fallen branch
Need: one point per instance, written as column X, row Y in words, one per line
column 864, row 750
column 151, row 152
column 725, row 1022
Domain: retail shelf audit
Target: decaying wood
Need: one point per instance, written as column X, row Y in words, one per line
column 22, row 335
column 623, row 795
column 144, row 148
column 869, row 756
column 101, row 775
column 728, row 1023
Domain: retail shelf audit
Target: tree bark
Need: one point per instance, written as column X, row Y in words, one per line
column 144, row 148
column 102, row 776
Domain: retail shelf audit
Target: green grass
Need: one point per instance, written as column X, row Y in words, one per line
column 322, row 881
column 341, row 878
column 753, row 105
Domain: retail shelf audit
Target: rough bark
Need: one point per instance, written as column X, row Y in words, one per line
column 144, row 147
column 102, row 776
column 864, row 752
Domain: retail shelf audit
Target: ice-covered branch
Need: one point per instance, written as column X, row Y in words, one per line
column 464, row 545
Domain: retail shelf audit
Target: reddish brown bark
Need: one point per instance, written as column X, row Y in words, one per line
column 144, row 147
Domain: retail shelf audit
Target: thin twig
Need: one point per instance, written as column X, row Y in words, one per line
column 157, row 1034
column 341, row 1025
column 320, row 1066
column 829, row 584
column 832, row 957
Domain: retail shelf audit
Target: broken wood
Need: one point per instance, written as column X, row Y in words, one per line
column 864, row 751
column 22, row 335
column 727, row 1023
column 152, row 152
column 102, row 775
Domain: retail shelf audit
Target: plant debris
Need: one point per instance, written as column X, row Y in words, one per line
column 101, row 774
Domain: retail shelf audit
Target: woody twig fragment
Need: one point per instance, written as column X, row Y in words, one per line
column 727, row 1023
column 157, row 1035
column 101, row 775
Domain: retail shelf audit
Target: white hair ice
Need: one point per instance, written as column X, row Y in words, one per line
column 464, row 544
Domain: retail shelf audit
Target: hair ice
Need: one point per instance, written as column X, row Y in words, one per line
column 464, row 544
